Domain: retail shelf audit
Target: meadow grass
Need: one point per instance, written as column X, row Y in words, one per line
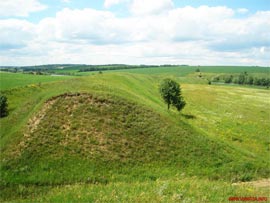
column 184, row 189
column 235, row 114
column 13, row 80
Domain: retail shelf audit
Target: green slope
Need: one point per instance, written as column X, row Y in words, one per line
column 106, row 129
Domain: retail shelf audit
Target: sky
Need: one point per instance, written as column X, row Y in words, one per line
column 191, row 32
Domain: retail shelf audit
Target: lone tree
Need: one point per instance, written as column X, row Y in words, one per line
column 171, row 94
column 3, row 106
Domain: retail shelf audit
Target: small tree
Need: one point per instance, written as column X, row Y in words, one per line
column 3, row 106
column 228, row 79
column 242, row 78
column 250, row 80
column 171, row 94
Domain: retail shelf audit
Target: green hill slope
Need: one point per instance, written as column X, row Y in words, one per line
column 105, row 129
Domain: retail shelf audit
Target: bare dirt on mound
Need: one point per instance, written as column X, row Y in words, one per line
column 264, row 183
column 33, row 122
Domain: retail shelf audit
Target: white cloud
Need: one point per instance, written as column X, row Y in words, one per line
column 262, row 50
column 242, row 10
column 20, row 8
column 189, row 23
column 87, row 25
column 238, row 34
column 142, row 7
column 203, row 35
column 15, row 33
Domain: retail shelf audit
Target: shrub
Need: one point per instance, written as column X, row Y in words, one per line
column 3, row 106
column 228, row 79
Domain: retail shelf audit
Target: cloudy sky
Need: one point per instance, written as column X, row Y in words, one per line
column 195, row 32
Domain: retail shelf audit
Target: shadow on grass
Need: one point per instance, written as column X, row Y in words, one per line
column 188, row 116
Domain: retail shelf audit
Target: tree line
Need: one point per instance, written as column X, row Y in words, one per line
column 243, row 79
column 105, row 68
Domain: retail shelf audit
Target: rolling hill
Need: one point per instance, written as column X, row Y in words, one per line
column 113, row 129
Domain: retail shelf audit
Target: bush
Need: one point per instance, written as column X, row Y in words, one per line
column 3, row 106
column 228, row 79
column 241, row 79
column 216, row 79
column 250, row 80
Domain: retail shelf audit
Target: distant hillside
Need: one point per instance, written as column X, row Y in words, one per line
column 84, row 69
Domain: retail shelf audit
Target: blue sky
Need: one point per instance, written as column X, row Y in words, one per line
column 205, row 32
column 53, row 6
column 252, row 5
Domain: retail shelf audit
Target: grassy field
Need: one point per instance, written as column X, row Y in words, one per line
column 182, row 71
column 109, row 138
column 179, row 71
column 13, row 80
column 237, row 115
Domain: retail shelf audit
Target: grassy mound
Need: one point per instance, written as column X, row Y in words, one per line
column 112, row 129
column 75, row 135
